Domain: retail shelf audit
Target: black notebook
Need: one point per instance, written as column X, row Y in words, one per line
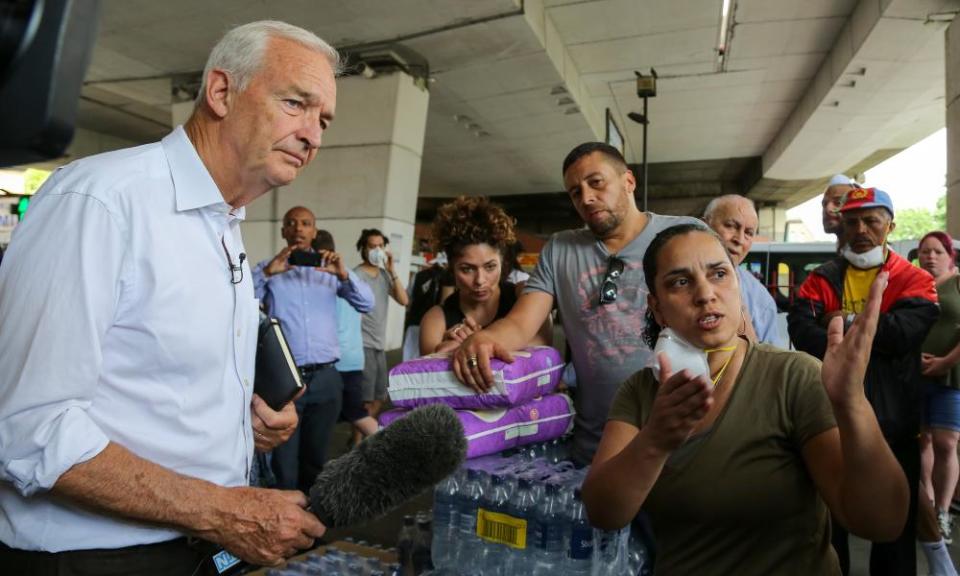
column 277, row 379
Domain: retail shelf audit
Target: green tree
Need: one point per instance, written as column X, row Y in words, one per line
column 33, row 178
column 940, row 213
column 913, row 223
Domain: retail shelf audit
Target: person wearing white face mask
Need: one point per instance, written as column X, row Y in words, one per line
column 909, row 309
column 377, row 271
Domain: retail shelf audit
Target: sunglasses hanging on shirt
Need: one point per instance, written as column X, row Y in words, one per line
column 608, row 289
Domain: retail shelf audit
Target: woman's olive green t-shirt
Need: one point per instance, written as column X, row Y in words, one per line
column 737, row 498
column 945, row 333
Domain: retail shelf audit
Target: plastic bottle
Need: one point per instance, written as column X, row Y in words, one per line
column 552, row 534
column 405, row 545
column 421, row 547
column 469, row 545
column 580, row 549
column 445, row 522
column 610, row 551
column 494, row 553
column 638, row 557
column 523, row 507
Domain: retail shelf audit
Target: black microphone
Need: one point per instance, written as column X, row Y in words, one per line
column 383, row 472
column 390, row 467
column 234, row 269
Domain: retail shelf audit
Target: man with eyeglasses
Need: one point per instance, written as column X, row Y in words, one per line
column 594, row 275
column 735, row 220
column 304, row 299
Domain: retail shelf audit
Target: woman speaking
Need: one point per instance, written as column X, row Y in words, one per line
column 740, row 457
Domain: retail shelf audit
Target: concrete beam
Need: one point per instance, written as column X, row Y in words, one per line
column 879, row 87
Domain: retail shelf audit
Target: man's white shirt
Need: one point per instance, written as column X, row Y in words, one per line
column 119, row 322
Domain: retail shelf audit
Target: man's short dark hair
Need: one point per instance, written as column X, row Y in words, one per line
column 324, row 241
column 366, row 234
column 587, row 148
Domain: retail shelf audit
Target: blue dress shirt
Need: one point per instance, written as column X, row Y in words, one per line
column 120, row 324
column 304, row 299
column 762, row 309
column 350, row 337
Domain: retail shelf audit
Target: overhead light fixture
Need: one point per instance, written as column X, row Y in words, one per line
column 564, row 101
column 646, row 89
column 725, row 34
column 646, row 85
column 558, row 89
column 571, row 110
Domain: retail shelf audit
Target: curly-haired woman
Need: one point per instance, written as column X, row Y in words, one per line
column 475, row 234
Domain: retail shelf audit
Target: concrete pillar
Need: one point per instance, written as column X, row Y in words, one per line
column 952, row 62
column 180, row 112
column 772, row 222
column 366, row 175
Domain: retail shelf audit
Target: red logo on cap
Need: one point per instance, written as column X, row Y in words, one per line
column 861, row 194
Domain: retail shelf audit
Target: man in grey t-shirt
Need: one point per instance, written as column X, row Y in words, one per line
column 594, row 275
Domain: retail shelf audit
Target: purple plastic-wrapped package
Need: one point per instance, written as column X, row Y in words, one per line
column 491, row 431
column 535, row 371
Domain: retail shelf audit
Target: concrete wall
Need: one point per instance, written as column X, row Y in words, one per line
column 952, row 62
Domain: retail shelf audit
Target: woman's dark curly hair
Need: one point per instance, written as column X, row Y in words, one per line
column 651, row 330
column 472, row 220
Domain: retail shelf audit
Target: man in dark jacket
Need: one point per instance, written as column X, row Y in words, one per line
column 908, row 310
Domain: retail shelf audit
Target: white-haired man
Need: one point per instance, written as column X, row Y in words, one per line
column 127, row 418
column 735, row 220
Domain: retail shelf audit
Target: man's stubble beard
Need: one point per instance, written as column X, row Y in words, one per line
column 604, row 228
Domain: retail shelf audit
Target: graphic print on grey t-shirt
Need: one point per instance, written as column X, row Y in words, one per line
column 606, row 340
column 617, row 327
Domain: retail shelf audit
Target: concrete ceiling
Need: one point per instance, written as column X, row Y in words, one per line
column 807, row 88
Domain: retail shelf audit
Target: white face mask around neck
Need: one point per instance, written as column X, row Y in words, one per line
column 869, row 259
column 684, row 355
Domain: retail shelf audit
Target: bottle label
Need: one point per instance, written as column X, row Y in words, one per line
column 502, row 529
column 581, row 542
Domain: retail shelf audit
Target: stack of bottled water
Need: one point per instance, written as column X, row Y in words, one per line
column 337, row 563
column 521, row 513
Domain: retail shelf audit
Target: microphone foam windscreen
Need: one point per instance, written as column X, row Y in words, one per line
column 390, row 467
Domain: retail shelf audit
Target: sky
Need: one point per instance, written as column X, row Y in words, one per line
column 914, row 178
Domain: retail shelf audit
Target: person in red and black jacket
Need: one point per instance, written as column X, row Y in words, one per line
column 908, row 310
